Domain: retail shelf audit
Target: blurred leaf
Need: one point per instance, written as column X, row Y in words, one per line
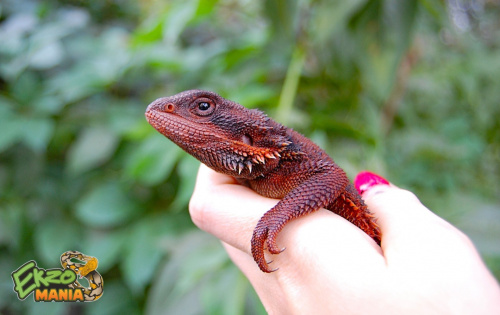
column 11, row 129
column 26, row 88
column 110, row 63
column 399, row 19
column 135, row 131
column 282, row 16
column 149, row 31
column 187, row 170
column 168, row 295
column 47, row 308
column 48, row 56
column 11, row 225
column 143, row 253
column 200, row 262
column 385, row 36
column 47, row 104
column 198, row 270
column 54, row 237
column 76, row 83
column 106, row 246
column 127, row 119
column 481, row 224
column 153, row 160
column 234, row 303
column 332, row 15
column 106, row 61
column 106, row 205
column 115, row 300
column 179, row 15
column 290, row 85
column 93, row 148
column 37, row 133
column 436, row 8
column 252, row 95
column 8, row 264
column 206, row 7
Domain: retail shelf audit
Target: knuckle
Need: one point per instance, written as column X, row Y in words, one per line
column 197, row 208
column 404, row 194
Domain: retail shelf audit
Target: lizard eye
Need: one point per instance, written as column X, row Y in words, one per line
column 203, row 107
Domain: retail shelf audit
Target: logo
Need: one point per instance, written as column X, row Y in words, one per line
column 60, row 285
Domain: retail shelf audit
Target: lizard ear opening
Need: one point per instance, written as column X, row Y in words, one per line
column 246, row 139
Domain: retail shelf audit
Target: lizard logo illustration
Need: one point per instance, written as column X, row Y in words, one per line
column 60, row 285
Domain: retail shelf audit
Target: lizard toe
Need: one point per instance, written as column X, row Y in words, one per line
column 258, row 241
column 272, row 247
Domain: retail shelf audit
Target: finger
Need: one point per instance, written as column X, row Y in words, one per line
column 324, row 238
column 409, row 229
column 217, row 207
column 319, row 245
column 248, row 266
column 319, row 241
column 271, row 292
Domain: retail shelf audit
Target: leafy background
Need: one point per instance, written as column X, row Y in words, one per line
column 408, row 89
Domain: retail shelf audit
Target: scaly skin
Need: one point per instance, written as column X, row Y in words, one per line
column 271, row 159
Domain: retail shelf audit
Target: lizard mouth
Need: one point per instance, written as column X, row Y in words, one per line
column 178, row 129
column 169, row 124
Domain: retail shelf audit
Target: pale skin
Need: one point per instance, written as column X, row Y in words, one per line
column 424, row 266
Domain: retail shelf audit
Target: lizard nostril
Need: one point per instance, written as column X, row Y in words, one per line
column 169, row 107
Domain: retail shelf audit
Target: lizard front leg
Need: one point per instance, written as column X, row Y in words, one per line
column 316, row 192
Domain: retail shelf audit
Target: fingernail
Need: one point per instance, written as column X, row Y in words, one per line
column 366, row 180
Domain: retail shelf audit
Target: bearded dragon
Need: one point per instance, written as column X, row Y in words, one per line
column 273, row 160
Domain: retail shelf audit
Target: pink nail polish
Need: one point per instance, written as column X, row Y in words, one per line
column 365, row 180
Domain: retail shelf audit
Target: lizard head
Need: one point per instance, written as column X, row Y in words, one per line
column 222, row 134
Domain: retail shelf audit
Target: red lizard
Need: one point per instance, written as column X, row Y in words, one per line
column 273, row 160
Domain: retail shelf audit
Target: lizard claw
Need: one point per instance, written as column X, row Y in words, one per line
column 264, row 235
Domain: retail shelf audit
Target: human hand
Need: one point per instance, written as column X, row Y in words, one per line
column 424, row 264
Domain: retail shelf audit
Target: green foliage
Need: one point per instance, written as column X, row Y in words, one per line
column 392, row 86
